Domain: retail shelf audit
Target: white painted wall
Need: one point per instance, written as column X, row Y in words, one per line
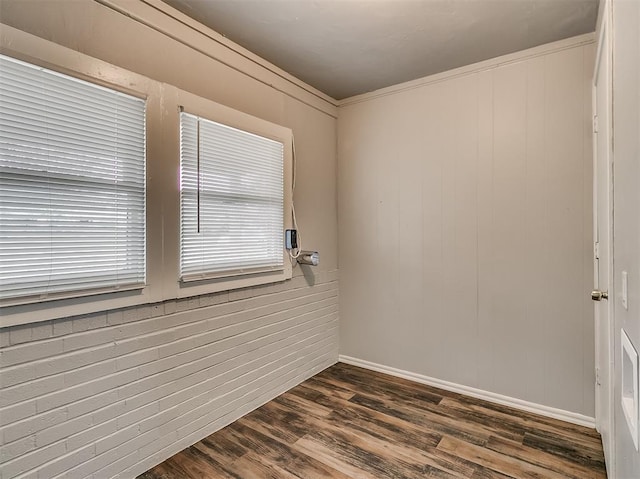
column 465, row 223
column 112, row 393
column 626, row 239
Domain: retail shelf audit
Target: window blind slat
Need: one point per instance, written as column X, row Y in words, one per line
column 232, row 199
column 72, row 184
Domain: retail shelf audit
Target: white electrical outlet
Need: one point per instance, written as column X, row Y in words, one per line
column 625, row 291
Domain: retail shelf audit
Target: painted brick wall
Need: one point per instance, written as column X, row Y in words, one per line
column 111, row 394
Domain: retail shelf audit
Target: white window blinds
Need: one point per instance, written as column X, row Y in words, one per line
column 72, row 184
column 231, row 200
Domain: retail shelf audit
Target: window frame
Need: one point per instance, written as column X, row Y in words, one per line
column 210, row 110
column 162, row 184
column 45, row 54
column 89, row 182
column 207, row 196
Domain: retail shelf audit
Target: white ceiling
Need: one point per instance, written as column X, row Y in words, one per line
column 348, row 47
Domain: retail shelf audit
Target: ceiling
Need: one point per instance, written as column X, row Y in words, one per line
column 347, row 47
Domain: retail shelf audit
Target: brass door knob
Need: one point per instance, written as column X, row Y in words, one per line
column 598, row 295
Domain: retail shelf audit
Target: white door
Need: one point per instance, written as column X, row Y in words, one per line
column 602, row 242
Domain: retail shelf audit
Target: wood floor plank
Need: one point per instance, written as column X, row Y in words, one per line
column 329, row 390
column 363, row 374
column 413, row 459
column 463, row 430
column 388, row 428
column 380, row 387
column 292, row 399
column 254, row 466
column 190, row 462
column 511, row 430
column 164, row 471
column 221, row 449
column 384, row 427
column 368, row 456
column 283, row 455
column 580, row 431
column 523, row 424
column 396, row 432
column 348, row 422
column 545, row 459
column 327, row 456
column 486, row 473
column 425, row 420
column 287, row 425
column 400, row 441
column 508, row 465
column 272, row 428
column 575, row 453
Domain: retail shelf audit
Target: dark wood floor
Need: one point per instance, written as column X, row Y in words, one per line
column 347, row 422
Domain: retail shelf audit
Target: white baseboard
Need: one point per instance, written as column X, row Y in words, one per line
column 554, row 413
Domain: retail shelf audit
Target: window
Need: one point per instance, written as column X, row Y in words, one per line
column 72, row 185
column 111, row 195
column 232, row 200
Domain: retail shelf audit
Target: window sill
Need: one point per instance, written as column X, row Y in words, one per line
column 229, row 281
column 48, row 309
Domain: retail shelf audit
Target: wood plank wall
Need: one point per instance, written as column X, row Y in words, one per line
column 465, row 228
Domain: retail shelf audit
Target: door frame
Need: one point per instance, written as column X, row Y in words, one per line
column 604, row 33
